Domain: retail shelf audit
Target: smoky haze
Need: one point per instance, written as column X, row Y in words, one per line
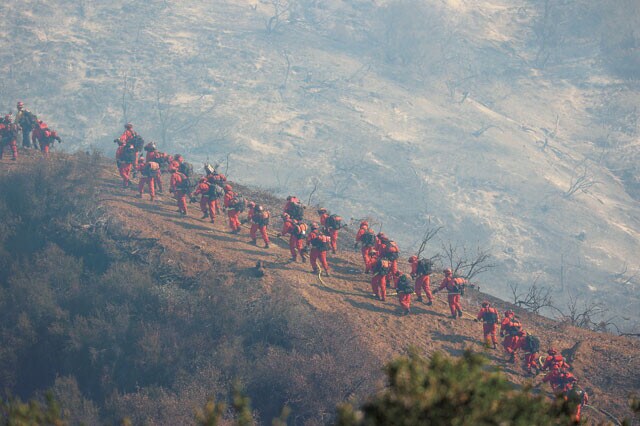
column 513, row 126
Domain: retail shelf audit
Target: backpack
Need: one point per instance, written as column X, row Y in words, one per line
column 28, row 120
column 261, row 219
column 238, row 203
column 531, row 344
column 321, row 242
column 392, row 252
column 128, row 154
column 382, row 266
column 137, row 142
column 404, row 285
column 215, row 192
column 334, row 221
column 299, row 230
column 514, row 327
column 424, row 267
column 186, row 169
column 490, row 317
column 295, row 210
column 185, row 184
column 368, row 239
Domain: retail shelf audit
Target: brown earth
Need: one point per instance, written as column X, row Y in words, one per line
column 608, row 366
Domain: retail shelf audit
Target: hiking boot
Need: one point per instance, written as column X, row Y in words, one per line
column 459, row 314
column 293, row 259
column 266, row 245
column 333, row 251
column 494, row 346
column 315, row 272
column 304, row 259
column 254, row 242
column 429, row 303
column 419, row 299
column 204, row 216
column 326, row 274
column 454, row 316
column 139, row 196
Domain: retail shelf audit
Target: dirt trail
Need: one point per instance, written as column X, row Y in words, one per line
column 607, row 365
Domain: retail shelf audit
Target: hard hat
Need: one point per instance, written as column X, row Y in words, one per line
column 364, row 223
column 552, row 351
column 285, row 216
column 485, row 303
column 251, row 204
column 413, row 259
column 227, row 187
column 19, row 104
column 448, row 271
column 314, row 225
column 322, row 210
column 259, row 208
column 128, row 126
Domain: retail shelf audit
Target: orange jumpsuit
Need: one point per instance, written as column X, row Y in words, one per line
column 233, row 214
column 489, row 327
column 318, row 251
column 203, row 189
column 453, row 297
column 180, row 195
column 295, row 244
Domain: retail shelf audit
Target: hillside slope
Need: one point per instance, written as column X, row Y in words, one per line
column 606, row 365
column 479, row 135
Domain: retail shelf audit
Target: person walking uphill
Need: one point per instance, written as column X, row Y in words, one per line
column 455, row 288
column 490, row 319
column 259, row 221
column 297, row 233
column 421, row 271
column 380, row 266
column 27, row 122
column 235, row 204
column 148, row 173
column 319, row 244
column 404, row 289
column 125, row 157
column 9, row 137
column 367, row 237
column 180, row 186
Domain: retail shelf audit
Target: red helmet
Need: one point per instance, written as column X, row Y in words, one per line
column 448, row 271
column 413, row 259
column 19, row 104
column 364, row 223
column 227, row 187
column 7, row 117
column 485, row 303
column 251, row 204
column 285, row 216
column 381, row 236
column 552, row 351
column 178, row 157
column 128, row 126
column 509, row 313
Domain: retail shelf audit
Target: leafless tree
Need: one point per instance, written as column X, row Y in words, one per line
column 466, row 263
column 581, row 180
column 585, row 315
column 281, row 9
column 315, row 182
column 535, row 299
column 429, row 232
column 128, row 87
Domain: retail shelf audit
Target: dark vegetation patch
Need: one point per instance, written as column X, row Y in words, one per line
column 89, row 310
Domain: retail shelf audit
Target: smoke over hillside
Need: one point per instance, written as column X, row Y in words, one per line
column 513, row 126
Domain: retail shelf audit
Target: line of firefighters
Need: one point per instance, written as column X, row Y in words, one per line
column 379, row 253
column 34, row 133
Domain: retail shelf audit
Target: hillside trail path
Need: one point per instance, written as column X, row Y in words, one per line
column 607, row 365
